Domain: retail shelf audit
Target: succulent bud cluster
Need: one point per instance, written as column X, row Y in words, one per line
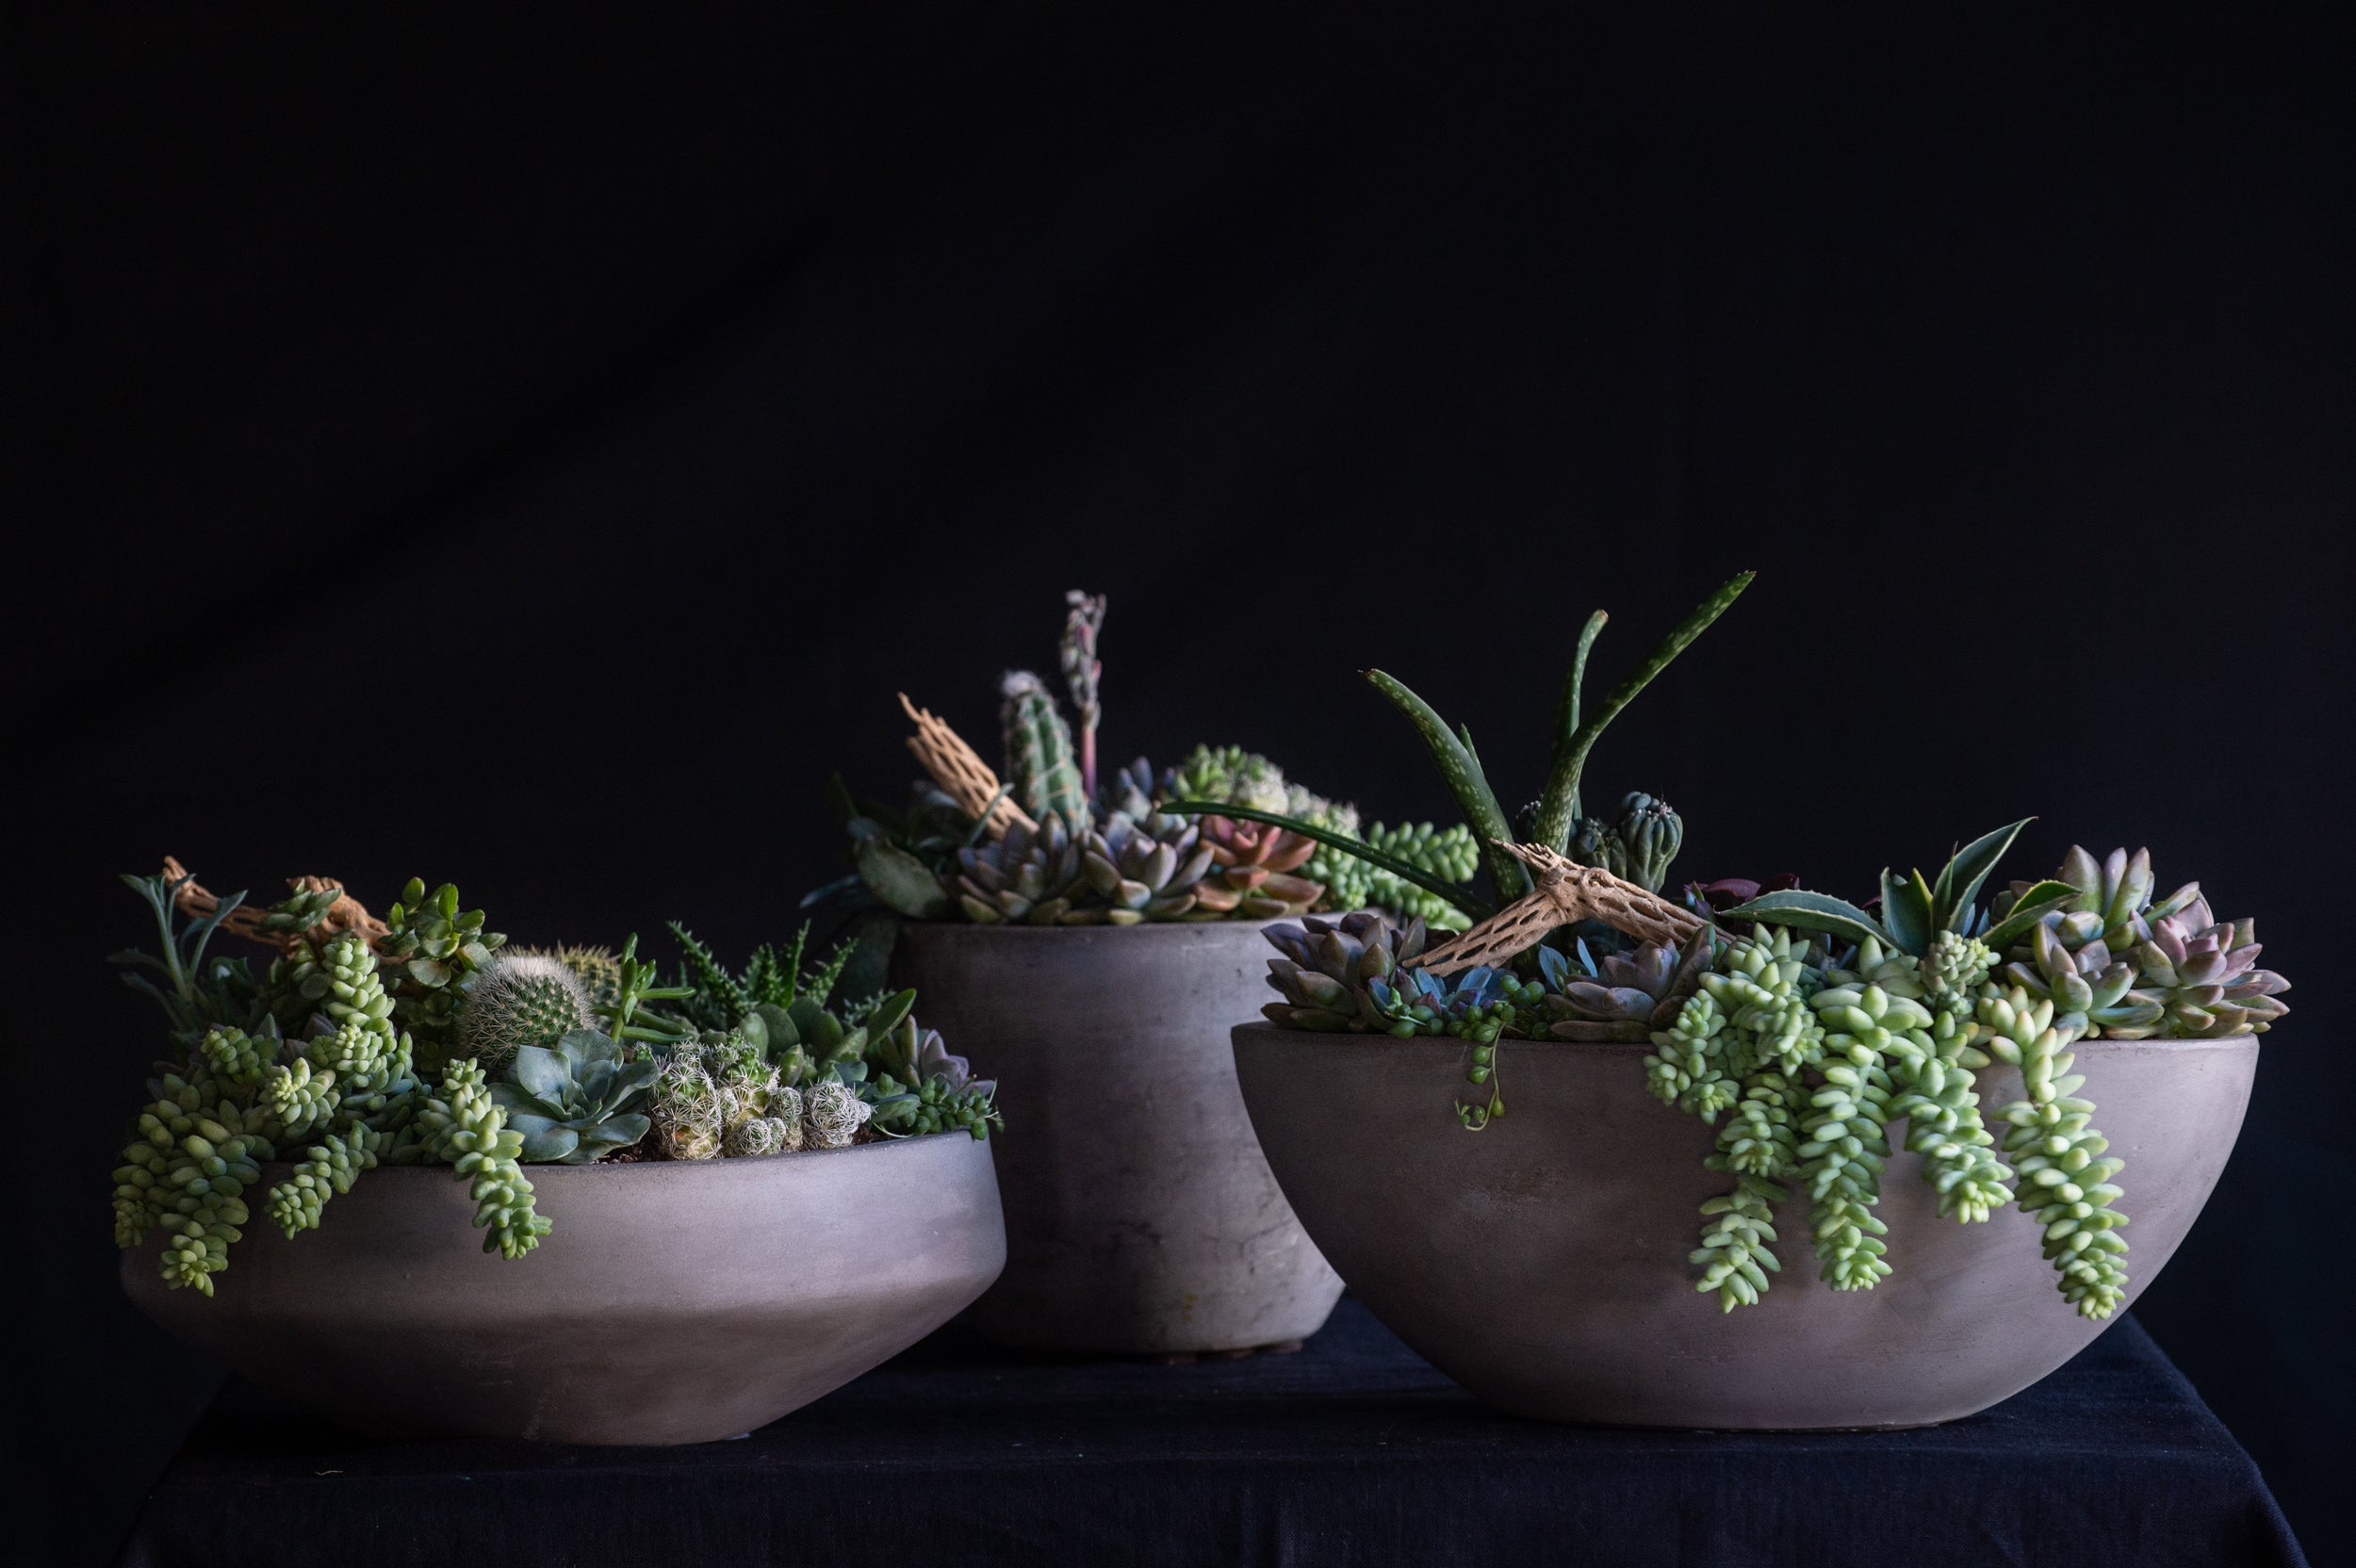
column 1638, row 844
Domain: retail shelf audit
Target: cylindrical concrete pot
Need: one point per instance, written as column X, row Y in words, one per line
column 1542, row 1262
column 1141, row 1217
column 671, row 1302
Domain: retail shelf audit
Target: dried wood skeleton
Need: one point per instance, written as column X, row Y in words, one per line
column 1565, row 891
column 962, row 773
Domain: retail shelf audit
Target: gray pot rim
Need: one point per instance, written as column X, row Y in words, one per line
column 1346, row 1037
column 445, row 1172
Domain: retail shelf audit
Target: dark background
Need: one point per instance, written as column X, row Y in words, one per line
column 530, row 449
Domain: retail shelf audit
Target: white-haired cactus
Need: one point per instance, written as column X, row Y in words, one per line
column 687, row 1108
column 519, row 1000
column 832, row 1114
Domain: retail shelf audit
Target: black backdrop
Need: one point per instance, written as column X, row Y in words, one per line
column 529, row 449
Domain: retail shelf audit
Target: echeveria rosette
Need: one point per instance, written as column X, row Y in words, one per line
column 1252, row 866
column 1136, row 869
column 1327, row 966
column 1622, row 997
column 2192, row 977
column 2203, row 975
column 2092, row 993
column 1030, row 876
column 576, row 1102
column 922, row 1088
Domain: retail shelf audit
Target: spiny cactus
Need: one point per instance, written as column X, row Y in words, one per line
column 518, row 1001
column 687, row 1108
column 598, row 968
column 1040, row 769
column 1638, row 844
column 832, row 1114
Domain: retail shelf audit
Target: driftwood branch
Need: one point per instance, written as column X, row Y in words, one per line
column 346, row 914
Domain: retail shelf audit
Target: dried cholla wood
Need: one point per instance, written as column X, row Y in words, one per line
column 960, row 773
column 346, row 914
column 1566, row 891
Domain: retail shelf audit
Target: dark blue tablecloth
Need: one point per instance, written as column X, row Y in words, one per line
column 1351, row 1451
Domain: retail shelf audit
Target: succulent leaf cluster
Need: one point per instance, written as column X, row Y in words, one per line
column 577, row 1100
column 784, row 1056
column 2118, row 964
column 2065, row 1174
column 432, row 950
column 344, row 1093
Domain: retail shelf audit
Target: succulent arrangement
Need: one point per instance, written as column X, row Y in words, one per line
column 1048, row 839
column 1815, row 1035
column 422, row 1039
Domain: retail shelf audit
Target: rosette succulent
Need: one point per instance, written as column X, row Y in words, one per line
column 576, row 1101
column 2118, row 964
column 1623, row 996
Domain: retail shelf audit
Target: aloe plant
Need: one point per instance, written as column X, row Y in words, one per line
column 1557, row 819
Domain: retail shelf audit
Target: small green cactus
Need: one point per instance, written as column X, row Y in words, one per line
column 517, row 1001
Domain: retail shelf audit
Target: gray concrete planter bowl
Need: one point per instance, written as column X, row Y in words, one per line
column 1141, row 1218
column 672, row 1304
column 1542, row 1262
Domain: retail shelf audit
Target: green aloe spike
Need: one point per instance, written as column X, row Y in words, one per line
column 1559, row 809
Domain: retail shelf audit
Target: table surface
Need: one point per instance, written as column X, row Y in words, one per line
column 1354, row 1450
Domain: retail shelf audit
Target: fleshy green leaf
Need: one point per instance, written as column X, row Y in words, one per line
column 1808, row 911
column 540, row 1073
column 2033, row 904
column 1906, row 912
column 1960, row 879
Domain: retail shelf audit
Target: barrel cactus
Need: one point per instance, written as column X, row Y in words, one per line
column 517, row 1001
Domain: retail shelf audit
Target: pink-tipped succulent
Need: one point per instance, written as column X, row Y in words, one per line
column 2186, row 974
